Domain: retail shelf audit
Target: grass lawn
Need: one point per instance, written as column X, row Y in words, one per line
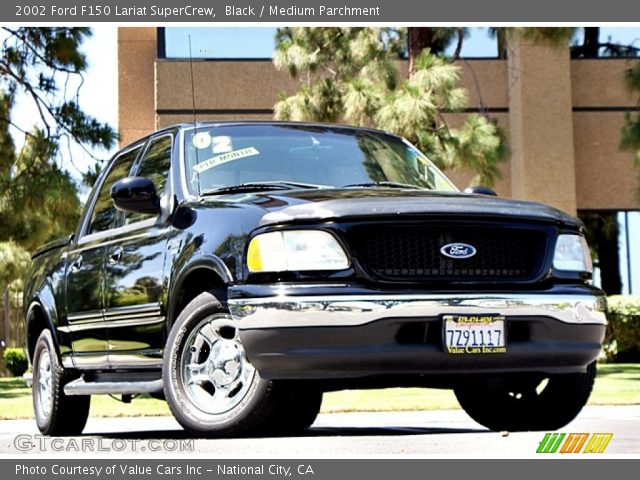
column 616, row 384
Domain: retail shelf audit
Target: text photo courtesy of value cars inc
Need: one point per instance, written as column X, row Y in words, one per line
column 319, row 240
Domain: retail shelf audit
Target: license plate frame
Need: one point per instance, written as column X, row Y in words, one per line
column 485, row 334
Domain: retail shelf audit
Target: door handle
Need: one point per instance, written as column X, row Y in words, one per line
column 77, row 263
column 116, row 255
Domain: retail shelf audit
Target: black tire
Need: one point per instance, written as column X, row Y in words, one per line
column 520, row 404
column 60, row 415
column 306, row 410
column 258, row 402
column 297, row 412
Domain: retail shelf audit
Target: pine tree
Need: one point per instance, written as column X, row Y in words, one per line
column 351, row 75
column 14, row 263
column 43, row 63
column 38, row 198
column 558, row 36
column 435, row 39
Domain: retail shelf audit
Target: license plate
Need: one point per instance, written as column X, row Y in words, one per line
column 474, row 334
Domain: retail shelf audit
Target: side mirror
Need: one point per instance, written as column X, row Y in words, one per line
column 480, row 190
column 135, row 194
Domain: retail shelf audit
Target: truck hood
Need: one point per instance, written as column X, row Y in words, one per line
column 338, row 204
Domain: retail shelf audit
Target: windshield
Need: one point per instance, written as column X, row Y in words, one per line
column 223, row 156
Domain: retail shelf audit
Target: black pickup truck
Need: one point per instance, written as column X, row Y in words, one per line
column 241, row 269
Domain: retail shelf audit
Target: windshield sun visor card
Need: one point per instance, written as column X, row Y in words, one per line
column 225, row 158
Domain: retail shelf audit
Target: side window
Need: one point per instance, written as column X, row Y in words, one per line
column 104, row 212
column 154, row 165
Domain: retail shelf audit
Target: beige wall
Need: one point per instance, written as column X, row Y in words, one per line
column 605, row 177
column 136, row 86
column 562, row 116
column 228, row 85
column 600, row 83
column 541, row 125
column 250, row 85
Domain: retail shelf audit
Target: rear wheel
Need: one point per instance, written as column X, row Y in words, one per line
column 56, row 414
column 306, row 409
column 527, row 403
column 298, row 412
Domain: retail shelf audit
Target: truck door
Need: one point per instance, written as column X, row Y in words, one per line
column 85, row 270
column 134, row 272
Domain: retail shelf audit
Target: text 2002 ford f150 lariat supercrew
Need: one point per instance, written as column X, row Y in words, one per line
column 242, row 269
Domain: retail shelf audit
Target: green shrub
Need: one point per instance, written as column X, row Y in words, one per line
column 622, row 340
column 16, row 361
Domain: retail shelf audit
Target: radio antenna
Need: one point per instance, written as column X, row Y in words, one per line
column 193, row 104
column 193, row 88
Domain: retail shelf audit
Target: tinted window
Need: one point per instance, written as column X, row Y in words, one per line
column 104, row 212
column 230, row 155
column 154, row 165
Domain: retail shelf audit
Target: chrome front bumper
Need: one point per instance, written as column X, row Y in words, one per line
column 319, row 332
column 286, row 311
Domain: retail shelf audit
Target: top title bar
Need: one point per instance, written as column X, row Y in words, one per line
column 317, row 11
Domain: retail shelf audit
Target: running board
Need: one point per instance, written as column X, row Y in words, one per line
column 81, row 387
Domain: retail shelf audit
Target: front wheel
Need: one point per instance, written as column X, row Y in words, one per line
column 527, row 403
column 210, row 385
column 57, row 414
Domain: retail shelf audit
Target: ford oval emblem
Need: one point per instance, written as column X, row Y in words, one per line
column 458, row 250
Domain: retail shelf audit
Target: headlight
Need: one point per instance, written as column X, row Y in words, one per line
column 572, row 253
column 295, row 250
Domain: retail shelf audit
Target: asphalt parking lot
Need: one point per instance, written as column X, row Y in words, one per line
column 342, row 434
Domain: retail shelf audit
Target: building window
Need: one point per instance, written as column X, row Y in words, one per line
column 479, row 42
column 217, row 42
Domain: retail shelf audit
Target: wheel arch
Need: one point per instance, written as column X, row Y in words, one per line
column 201, row 274
column 41, row 315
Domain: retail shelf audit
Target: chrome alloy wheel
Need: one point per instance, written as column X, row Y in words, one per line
column 215, row 372
column 44, row 386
